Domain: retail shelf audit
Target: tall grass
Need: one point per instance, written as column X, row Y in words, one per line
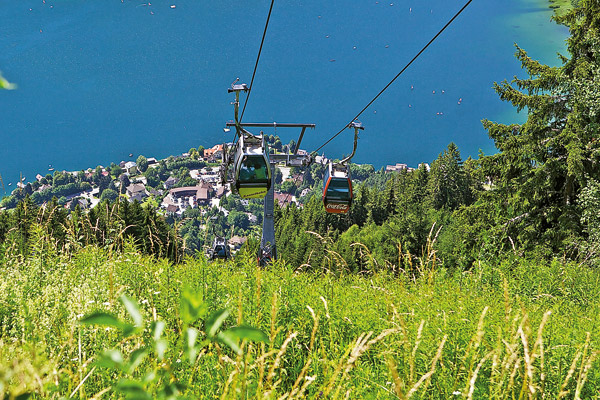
column 520, row 329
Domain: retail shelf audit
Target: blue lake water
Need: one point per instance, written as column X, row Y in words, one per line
column 98, row 80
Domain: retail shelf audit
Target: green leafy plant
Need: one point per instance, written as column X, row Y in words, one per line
column 150, row 344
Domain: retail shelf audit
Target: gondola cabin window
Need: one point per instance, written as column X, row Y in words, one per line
column 338, row 189
column 253, row 179
column 253, row 169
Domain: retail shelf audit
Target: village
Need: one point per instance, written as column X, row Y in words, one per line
column 200, row 187
column 173, row 185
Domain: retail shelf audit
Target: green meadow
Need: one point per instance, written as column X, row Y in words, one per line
column 518, row 329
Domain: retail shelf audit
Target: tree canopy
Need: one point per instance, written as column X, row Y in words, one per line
column 543, row 164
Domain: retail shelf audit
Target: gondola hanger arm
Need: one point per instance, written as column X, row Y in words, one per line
column 357, row 125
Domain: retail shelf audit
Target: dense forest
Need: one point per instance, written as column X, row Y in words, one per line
column 393, row 215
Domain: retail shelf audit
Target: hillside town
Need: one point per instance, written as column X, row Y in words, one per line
column 174, row 184
column 186, row 189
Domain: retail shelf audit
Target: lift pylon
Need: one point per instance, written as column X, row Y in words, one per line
column 247, row 160
column 268, row 247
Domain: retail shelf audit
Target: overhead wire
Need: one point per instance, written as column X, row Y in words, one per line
column 257, row 59
column 397, row 75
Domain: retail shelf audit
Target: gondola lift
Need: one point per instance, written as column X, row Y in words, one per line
column 249, row 168
column 220, row 249
column 265, row 255
column 249, row 156
column 337, row 181
column 252, row 172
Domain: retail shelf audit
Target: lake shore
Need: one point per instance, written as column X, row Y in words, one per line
column 107, row 108
column 559, row 6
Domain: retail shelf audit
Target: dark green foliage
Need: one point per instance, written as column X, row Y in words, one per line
column 380, row 219
column 62, row 185
column 142, row 163
column 198, row 228
column 288, row 187
column 110, row 224
column 238, row 219
column 278, row 176
column 123, row 183
column 60, row 178
column 60, row 191
column 109, row 194
column 153, row 177
column 361, row 172
column 449, row 184
column 183, row 174
column 175, row 164
column 19, row 225
column 544, row 163
column 115, row 170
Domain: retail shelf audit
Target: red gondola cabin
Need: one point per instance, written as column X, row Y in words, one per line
column 337, row 189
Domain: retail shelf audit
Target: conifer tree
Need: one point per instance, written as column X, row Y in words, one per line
column 543, row 164
column 448, row 184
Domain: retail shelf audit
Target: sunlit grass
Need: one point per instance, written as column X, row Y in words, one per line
column 517, row 329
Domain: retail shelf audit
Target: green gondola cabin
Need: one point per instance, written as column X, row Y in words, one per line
column 252, row 168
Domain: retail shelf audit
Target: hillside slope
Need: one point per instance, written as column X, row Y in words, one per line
column 497, row 332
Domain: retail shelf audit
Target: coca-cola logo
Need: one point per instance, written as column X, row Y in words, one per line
column 337, row 207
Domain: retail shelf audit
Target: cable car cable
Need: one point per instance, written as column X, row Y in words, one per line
column 257, row 58
column 396, row 77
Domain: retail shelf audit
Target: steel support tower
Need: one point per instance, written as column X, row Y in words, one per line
column 268, row 247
